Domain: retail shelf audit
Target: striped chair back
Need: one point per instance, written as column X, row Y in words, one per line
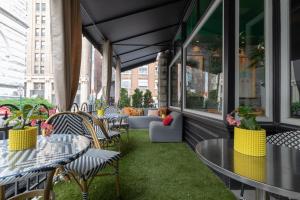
column 98, row 126
column 72, row 123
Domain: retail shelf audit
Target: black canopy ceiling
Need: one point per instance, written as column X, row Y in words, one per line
column 138, row 29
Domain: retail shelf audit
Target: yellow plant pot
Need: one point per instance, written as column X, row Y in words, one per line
column 253, row 167
column 250, row 142
column 100, row 112
column 22, row 139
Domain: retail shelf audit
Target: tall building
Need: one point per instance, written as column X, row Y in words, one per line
column 40, row 72
column 13, row 28
column 144, row 77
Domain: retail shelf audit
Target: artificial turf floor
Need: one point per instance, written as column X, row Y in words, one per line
column 153, row 171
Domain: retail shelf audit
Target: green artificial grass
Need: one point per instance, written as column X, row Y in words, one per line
column 153, row 171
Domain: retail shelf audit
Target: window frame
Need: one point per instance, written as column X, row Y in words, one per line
column 285, row 69
column 213, row 6
column 129, row 83
column 178, row 55
column 144, row 66
column 268, row 32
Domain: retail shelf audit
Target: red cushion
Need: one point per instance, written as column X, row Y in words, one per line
column 168, row 119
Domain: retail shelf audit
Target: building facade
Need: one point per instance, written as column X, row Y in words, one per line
column 39, row 73
column 13, row 28
column 144, row 77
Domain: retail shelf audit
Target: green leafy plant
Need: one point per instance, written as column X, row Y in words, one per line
column 137, row 98
column 295, row 107
column 148, row 100
column 245, row 118
column 25, row 115
column 101, row 104
column 124, row 99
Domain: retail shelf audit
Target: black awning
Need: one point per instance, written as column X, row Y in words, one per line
column 138, row 29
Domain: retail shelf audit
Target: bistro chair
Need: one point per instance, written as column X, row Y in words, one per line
column 117, row 123
column 106, row 138
column 289, row 139
column 85, row 168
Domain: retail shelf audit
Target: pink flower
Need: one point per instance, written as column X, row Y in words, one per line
column 47, row 128
column 33, row 122
column 232, row 121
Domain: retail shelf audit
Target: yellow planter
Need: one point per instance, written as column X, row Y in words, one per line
column 252, row 167
column 22, row 139
column 250, row 142
column 100, row 112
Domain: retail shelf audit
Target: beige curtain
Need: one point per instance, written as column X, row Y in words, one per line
column 66, row 50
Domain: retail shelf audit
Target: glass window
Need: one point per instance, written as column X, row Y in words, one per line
column 204, row 68
column 43, row 44
column 43, row 32
column 126, row 84
column 36, row 57
column 43, row 6
column 251, row 67
column 175, row 83
column 156, row 84
column 37, row 32
column 143, row 84
column 43, row 19
column 127, row 72
column 198, row 10
column 42, row 57
column 37, row 44
column 37, row 19
column 38, row 86
column 42, row 69
column 36, row 69
column 295, row 59
column 37, row 7
column 143, row 70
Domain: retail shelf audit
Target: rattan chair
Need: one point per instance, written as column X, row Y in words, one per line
column 106, row 138
column 85, row 168
column 119, row 124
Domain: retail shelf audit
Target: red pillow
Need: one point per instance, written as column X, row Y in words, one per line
column 168, row 119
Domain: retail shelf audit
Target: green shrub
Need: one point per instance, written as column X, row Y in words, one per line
column 27, row 101
column 124, row 99
column 148, row 100
column 137, row 98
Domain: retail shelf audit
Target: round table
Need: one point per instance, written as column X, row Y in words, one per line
column 278, row 172
column 50, row 153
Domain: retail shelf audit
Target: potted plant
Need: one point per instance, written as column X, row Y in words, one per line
column 22, row 136
column 249, row 137
column 100, row 107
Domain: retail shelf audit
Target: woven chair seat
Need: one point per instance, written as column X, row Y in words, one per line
column 92, row 162
column 289, row 139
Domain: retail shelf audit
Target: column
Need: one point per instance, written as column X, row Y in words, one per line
column 118, row 81
column 106, row 70
column 85, row 70
column 162, row 63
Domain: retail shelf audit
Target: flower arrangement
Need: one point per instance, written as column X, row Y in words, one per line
column 244, row 118
column 249, row 137
column 21, row 118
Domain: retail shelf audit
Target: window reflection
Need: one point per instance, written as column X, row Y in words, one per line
column 295, row 59
column 204, row 69
column 252, row 78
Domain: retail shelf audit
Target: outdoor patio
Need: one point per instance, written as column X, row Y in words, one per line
column 226, row 122
column 154, row 171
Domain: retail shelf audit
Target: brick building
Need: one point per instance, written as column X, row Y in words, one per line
column 144, row 77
